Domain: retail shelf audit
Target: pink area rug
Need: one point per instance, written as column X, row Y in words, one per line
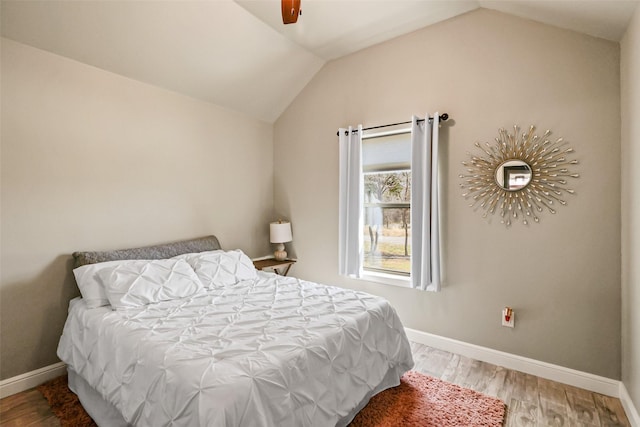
column 65, row 404
column 424, row 401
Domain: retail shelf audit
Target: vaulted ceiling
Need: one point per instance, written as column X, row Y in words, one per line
column 239, row 55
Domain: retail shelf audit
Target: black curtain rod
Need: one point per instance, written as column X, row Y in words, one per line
column 443, row 117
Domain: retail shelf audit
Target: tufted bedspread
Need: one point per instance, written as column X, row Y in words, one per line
column 274, row 351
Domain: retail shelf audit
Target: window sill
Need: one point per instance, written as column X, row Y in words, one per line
column 386, row 279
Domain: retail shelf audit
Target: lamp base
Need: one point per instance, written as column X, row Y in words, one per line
column 280, row 254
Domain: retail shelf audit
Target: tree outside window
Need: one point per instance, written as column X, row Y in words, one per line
column 387, row 217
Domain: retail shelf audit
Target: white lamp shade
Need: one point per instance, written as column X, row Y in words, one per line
column 280, row 232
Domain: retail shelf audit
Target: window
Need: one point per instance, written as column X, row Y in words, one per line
column 386, row 206
column 389, row 221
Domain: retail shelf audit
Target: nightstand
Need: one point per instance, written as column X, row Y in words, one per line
column 273, row 264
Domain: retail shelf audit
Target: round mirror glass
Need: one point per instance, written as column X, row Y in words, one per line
column 513, row 175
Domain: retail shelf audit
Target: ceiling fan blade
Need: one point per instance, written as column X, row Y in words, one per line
column 290, row 11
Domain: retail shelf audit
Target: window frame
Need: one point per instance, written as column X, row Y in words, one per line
column 379, row 275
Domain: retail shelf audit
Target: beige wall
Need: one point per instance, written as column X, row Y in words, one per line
column 93, row 160
column 630, row 90
column 487, row 70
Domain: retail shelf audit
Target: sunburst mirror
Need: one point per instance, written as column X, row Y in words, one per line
column 519, row 176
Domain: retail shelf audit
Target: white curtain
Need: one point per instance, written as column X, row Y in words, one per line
column 425, row 218
column 351, row 186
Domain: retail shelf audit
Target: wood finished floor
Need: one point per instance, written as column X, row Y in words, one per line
column 531, row 401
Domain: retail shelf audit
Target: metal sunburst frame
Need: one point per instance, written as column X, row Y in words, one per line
column 549, row 167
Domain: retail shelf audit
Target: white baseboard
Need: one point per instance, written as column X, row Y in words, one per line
column 549, row 371
column 31, row 379
column 629, row 407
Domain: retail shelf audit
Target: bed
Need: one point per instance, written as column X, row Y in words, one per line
column 189, row 334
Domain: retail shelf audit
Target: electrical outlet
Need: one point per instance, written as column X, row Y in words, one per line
column 508, row 317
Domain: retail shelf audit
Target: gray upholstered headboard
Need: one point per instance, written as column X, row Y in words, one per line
column 168, row 250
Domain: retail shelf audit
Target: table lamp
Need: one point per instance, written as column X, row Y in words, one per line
column 280, row 232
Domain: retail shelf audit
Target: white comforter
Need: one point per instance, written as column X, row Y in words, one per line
column 274, row 351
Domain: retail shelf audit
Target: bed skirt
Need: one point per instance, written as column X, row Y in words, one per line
column 106, row 415
column 102, row 412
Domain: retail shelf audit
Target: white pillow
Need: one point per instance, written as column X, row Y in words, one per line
column 222, row 268
column 138, row 283
column 90, row 285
